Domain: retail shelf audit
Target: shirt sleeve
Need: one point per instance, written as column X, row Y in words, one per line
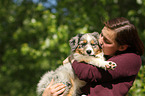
column 127, row 65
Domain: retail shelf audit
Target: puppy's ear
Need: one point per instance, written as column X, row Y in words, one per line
column 96, row 34
column 73, row 42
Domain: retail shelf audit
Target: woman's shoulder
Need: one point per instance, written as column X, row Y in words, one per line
column 127, row 59
column 127, row 56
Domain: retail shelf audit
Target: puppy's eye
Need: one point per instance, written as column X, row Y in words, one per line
column 93, row 44
column 83, row 44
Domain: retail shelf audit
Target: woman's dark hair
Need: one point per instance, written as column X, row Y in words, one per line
column 126, row 34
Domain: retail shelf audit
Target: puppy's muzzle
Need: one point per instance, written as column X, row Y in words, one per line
column 89, row 52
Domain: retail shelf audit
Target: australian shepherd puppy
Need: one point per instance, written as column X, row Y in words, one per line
column 85, row 48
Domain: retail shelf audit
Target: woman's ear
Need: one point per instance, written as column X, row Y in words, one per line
column 123, row 47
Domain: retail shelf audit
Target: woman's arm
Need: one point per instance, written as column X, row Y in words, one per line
column 128, row 64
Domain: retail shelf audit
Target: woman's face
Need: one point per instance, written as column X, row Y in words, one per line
column 107, row 40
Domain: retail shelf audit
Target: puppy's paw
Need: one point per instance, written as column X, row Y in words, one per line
column 111, row 65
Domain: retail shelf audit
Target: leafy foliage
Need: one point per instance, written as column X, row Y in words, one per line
column 34, row 37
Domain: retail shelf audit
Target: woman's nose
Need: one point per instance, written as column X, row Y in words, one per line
column 101, row 39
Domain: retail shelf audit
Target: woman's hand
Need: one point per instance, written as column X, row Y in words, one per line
column 66, row 60
column 69, row 59
column 54, row 90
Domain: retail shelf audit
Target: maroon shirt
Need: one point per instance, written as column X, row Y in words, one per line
column 112, row 82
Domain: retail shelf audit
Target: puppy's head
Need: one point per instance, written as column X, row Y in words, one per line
column 86, row 44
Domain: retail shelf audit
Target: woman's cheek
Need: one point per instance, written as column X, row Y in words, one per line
column 108, row 50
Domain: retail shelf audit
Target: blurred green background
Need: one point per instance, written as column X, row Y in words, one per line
column 34, row 37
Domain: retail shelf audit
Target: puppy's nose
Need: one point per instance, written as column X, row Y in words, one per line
column 89, row 51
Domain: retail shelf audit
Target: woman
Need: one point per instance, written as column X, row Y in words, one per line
column 122, row 45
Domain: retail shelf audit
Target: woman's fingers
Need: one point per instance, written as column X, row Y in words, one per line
column 54, row 90
column 59, row 92
column 47, row 91
column 50, row 84
column 57, row 88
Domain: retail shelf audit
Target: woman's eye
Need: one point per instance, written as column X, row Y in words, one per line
column 106, row 41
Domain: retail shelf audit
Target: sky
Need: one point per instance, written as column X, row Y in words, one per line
column 49, row 3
